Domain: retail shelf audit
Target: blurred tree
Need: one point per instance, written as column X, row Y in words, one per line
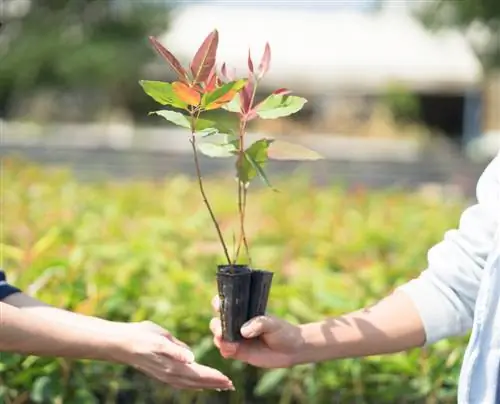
column 481, row 18
column 76, row 45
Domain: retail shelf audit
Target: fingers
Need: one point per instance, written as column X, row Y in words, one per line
column 259, row 326
column 176, row 351
column 192, row 376
column 215, row 327
column 227, row 349
column 216, row 303
column 178, row 342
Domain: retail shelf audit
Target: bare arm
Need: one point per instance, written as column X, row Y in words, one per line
column 42, row 310
column 27, row 333
column 438, row 304
column 392, row 325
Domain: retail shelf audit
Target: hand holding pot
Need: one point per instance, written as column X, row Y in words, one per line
column 149, row 348
column 272, row 342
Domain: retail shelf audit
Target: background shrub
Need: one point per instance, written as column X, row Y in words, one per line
column 146, row 250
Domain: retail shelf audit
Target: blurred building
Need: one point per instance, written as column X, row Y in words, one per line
column 345, row 60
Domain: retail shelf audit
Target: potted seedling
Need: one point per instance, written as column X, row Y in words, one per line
column 203, row 87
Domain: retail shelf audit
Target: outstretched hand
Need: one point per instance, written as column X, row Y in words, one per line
column 154, row 351
column 272, row 342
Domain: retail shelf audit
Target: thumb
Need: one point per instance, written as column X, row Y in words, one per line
column 177, row 352
column 259, row 326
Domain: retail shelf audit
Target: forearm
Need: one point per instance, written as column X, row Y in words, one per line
column 392, row 325
column 42, row 310
column 27, row 333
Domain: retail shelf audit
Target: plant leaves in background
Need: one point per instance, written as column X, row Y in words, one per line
column 270, row 381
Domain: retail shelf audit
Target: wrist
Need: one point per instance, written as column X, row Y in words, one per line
column 116, row 346
column 306, row 351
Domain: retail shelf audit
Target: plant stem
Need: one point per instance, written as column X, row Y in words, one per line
column 192, row 140
column 245, row 242
column 243, row 188
column 241, row 209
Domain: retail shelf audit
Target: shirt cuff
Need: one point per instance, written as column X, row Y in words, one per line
column 6, row 289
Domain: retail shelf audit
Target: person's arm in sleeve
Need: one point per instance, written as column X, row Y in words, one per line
column 445, row 293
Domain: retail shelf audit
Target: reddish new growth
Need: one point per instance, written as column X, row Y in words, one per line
column 201, row 88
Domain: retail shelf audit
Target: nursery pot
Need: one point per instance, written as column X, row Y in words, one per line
column 259, row 292
column 243, row 294
column 233, row 283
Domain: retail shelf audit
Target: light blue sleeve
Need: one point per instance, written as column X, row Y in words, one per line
column 445, row 293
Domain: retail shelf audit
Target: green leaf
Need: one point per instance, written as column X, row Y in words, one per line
column 281, row 150
column 44, row 388
column 260, row 170
column 254, row 162
column 222, row 91
column 234, row 105
column 270, row 381
column 162, row 93
column 279, row 105
column 202, row 125
column 217, row 150
column 84, row 396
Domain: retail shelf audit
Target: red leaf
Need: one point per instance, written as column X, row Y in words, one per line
column 246, row 96
column 171, row 59
column 227, row 76
column 187, row 94
column 211, row 83
column 282, row 91
column 250, row 63
column 204, row 59
column 265, row 61
column 223, row 71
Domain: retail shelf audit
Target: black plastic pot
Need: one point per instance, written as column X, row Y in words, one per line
column 259, row 292
column 233, row 283
column 243, row 295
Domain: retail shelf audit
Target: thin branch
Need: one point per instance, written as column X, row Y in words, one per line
column 192, row 140
column 241, row 210
column 245, row 241
column 205, row 199
column 242, row 188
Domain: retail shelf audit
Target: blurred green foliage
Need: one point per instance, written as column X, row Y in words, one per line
column 146, row 250
column 403, row 104
column 463, row 13
column 78, row 45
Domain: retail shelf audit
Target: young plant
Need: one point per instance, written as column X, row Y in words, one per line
column 201, row 88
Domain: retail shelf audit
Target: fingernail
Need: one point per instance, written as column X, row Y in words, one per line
column 247, row 324
column 247, row 331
